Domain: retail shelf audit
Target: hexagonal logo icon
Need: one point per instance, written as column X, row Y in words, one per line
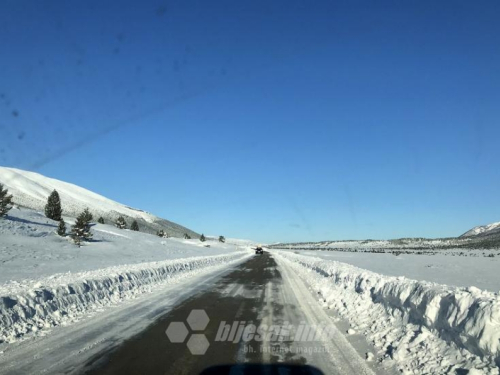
column 198, row 344
column 177, row 332
column 198, row 320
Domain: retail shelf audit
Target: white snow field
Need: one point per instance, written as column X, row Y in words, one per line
column 458, row 267
column 419, row 326
column 47, row 281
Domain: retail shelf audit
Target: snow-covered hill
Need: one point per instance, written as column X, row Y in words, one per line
column 483, row 229
column 32, row 189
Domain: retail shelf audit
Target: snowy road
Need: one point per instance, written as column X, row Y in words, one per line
column 258, row 293
column 68, row 348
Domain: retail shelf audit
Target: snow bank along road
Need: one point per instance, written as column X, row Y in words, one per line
column 278, row 312
column 54, row 328
column 258, row 293
column 422, row 327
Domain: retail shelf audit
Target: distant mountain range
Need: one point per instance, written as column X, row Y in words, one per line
column 31, row 190
column 483, row 230
column 480, row 237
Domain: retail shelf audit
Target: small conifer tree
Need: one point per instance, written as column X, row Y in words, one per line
column 53, row 208
column 134, row 226
column 61, row 228
column 5, row 201
column 81, row 230
column 202, row 238
column 187, row 236
column 87, row 216
column 100, row 220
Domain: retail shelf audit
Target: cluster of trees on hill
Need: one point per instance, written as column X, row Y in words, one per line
column 203, row 238
column 80, row 231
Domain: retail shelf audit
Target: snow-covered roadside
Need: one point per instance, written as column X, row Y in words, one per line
column 61, row 299
column 442, row 268
column 67, row 349
column 422, row 327
column 46, row 281
column 31, row 249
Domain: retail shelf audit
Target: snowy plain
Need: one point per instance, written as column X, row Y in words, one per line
column 476, row 268
column 420, row 327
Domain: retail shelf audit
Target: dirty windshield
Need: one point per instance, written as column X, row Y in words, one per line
column 249, row 187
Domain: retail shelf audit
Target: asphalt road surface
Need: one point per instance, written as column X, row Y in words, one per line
column 213, row 331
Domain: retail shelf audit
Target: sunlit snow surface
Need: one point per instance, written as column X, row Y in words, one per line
column 460, row 267
column 419, row 326
column 46, row 280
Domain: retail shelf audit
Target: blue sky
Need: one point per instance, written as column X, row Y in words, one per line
column 275, row 121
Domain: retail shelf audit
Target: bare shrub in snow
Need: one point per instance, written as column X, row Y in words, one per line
column 121, row 223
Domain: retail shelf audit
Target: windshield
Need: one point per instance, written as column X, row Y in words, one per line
column 164, row 157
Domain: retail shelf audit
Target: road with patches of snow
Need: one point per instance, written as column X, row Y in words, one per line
column 258, row 292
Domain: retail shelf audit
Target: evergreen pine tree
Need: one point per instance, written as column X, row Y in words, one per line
column 81, row 230
column 61, row 228
column 53, row 208
column 187, row 236
column 222, row 239
column 5, row 201
column 134, row 226
column 202, row 238
column 100, row 220
column 121, row 223
column 87, row 216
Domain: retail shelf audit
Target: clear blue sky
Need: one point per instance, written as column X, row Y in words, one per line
column 269, row 120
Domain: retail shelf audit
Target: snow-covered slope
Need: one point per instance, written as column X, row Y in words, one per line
column 32, row 189
column 482, row 229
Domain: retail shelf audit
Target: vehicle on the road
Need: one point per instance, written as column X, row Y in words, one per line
column 259, row 250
